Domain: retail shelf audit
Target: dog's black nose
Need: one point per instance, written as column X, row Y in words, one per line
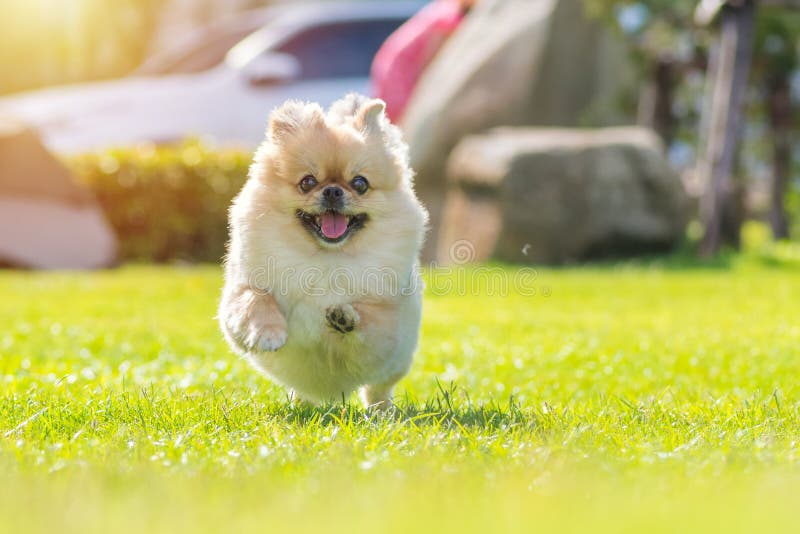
column 332, row 198
column 332, row 193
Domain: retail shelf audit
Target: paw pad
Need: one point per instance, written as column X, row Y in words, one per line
column 341, row 319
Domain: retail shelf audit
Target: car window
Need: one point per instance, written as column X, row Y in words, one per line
column 339, row 50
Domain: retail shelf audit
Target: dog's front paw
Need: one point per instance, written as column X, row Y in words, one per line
column 253, row 322
column 268, row 338
column 258, row 335
column 343, row 318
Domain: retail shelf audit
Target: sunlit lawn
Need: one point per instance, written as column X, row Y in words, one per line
column 635, row 399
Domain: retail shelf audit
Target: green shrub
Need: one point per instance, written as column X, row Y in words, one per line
column 167, row 203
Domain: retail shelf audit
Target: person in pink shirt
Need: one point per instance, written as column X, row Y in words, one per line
column 402, row 59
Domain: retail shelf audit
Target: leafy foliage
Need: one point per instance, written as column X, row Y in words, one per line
column 659, row 29
column 167, row 203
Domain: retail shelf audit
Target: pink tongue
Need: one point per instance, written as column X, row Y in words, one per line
column 333, row 224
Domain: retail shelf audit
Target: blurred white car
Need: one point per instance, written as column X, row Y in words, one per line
column 205, row 47
column 314, row 52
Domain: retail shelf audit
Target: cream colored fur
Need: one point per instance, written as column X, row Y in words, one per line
column 281, row 281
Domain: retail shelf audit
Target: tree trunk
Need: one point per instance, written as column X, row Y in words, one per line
column 779, row 102
column 733, row 206
column 665, row 80
column 656, row 101
column 730, row 82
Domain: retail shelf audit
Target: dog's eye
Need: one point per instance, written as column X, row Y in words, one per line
column 360, row 184
column 307, row 183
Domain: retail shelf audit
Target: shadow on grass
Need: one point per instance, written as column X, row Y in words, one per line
column 683, row 257
column 441, row 410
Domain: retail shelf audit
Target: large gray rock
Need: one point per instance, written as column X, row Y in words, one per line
column 513, row 62
column 559, row 195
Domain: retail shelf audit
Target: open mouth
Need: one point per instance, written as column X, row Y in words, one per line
column 332, row 226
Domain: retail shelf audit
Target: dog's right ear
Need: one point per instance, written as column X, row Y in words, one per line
column 293, row 116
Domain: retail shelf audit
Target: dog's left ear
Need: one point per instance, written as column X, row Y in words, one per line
column 371, row 116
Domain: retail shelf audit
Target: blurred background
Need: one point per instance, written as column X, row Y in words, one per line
column 542, row 131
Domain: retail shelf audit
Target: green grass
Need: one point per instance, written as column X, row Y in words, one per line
column 616, row 399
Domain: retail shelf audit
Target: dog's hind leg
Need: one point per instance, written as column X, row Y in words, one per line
column 379, row 396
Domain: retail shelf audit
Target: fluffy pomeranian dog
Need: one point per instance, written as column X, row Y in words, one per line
column 322, row 290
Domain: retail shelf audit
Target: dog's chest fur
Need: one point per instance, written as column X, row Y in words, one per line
column 319, row 362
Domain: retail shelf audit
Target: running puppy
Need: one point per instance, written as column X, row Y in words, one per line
column 322, row 291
